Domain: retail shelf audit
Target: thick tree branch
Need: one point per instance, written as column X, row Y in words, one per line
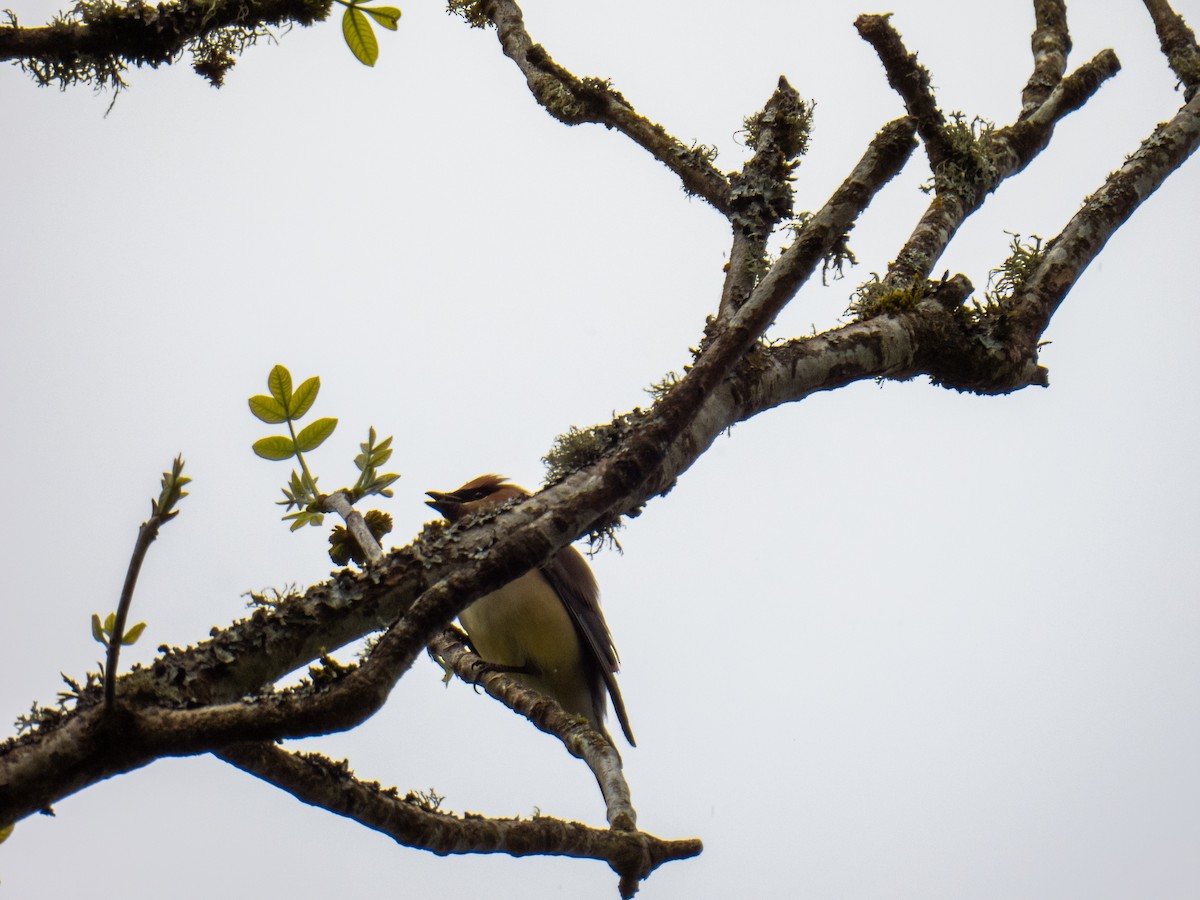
column 100, row 40
column 44, row 767
column 192, row 701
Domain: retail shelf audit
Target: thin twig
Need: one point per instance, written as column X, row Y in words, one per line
column 162, row 511
column 147, row 533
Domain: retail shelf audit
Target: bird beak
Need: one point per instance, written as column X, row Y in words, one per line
column 443, row 503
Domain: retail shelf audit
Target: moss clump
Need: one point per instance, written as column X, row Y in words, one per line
column 579, row 448
column 1023, row 260
column 876, row 298
column 469, row 10
column 968, row 166
column 583, row 447
column 786, row 119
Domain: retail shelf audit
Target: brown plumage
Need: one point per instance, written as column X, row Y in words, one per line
column 546, row 627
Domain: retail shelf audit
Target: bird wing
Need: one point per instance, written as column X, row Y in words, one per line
column 572, row 579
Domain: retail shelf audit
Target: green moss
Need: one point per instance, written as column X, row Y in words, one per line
column 470, row 10
column 789, row 122
column 583, row 447
column 1023, row 260
column 875, row 298
column 968, row 165
column 579, row 448
column 662, row 387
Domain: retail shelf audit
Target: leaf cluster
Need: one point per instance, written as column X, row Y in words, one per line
column 285, row 405
column 103, row 631
column 372, row 455
column 360, row 34
column 172, row 492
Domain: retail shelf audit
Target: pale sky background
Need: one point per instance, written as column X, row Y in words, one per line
column 893, row 642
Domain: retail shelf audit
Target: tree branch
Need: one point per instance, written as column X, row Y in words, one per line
column 1178, row 43
column 761, row 194
column 1069, row 254
column 414, row 822
column 577, row 735
column 574, row 101
column 981, row 161
column 1051, row 44
column 97, row 41
column 911, row 81
column 44, row 767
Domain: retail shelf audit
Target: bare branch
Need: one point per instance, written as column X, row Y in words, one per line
column 573, row 101
column 910, row 80
column 162, row 511
column 412, row 821
column 1070, row 253
column 577, row 736
column 339, row 502
column 1051, row 43
column 1178, row 43
column 761, row 194
column 993, row 157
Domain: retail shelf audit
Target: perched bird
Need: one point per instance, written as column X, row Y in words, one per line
column 545, row 628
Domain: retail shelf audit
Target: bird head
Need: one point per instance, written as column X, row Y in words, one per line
column 474, row 496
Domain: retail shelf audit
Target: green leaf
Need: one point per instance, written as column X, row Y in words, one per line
column 304, row 517
column 98, row 630
column 360, row 36
column 109, row 622
column 380, row 485
column 131, row 636
column 173, row 484
column 5, row 832
column 314, row 435
column 303, row 399
column 387, row 16
column 268, row 409
column 274, row 447
column 280, row 384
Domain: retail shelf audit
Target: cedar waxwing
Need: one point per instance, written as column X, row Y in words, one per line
column 545, row 628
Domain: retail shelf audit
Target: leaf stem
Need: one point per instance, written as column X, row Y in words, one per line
column 308, row 478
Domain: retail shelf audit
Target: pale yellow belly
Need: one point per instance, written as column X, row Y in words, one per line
column 525, row 624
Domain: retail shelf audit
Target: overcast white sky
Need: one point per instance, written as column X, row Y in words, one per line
column 891, row 642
